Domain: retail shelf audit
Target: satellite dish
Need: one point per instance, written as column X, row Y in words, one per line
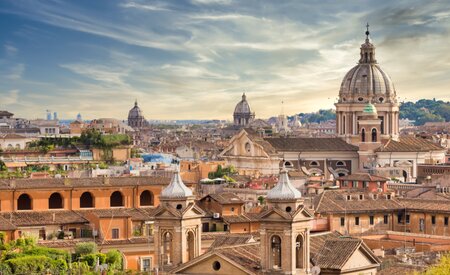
column 315, row 270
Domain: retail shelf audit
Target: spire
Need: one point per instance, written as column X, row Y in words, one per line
column 244, row 97
column 135, row 102
column 284, row 190
column 367, row 50
column 176, row 189
column 367, row 32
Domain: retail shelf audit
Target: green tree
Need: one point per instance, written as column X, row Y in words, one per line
column 443, row 268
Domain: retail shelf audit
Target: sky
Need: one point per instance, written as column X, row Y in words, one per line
column 193, row 59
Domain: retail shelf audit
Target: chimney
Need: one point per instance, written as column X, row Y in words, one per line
column 106, row 180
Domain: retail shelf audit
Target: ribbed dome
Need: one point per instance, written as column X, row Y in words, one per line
column 367, row 82
column 242, row 107
column 135, row 112
column 176, row 189
column 284, row 189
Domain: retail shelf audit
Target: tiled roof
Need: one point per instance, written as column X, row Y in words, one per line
column 317, row 240
column 335, row 201
column 336, row 252
column 409, row 144
column 231, row 240
column 81, row 182
column 226, row 198
column 11, row 136
column 247, row 256
column 32, row 218
column 310, row 144
column 133, row 213
column 5, row 225
column 426, row 205
column 256, row 138
column 246, row 217
column 363, row 177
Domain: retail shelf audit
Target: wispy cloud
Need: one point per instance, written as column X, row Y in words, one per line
column 16, row 72
column 9, row 97
column 145, row 7
column 10, row 50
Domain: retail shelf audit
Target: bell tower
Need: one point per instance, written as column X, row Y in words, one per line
column 285, row 230
column 177, row 231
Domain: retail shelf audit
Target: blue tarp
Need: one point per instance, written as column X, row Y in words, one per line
column 157, row 158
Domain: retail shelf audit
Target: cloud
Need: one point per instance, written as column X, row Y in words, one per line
column 9, row 97
column 145, row 7
column 10, row 50
column 211, row 2
column 16, row 72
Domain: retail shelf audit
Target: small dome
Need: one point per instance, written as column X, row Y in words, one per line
column 176, row 189
column 284, row 189
column 242, row 107
column 370, row 109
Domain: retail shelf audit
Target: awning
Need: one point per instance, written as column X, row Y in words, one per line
column 15, row 164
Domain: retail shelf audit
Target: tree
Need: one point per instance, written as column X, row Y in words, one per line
column 443, row 268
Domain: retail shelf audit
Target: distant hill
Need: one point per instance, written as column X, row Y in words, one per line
column 425, row 110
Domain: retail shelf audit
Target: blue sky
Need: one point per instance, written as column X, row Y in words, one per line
column 193, row 59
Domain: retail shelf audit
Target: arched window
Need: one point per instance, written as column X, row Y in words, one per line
column 363, row 135
column 288, row 164
column 340, row 163
column 18, row 146
column 55, row 201
column 116, row 199
column 86, row 200
column 10, row 147
column 24, row 202
column 275, row 261
column 146, row 198
column 374, row 135
column 313, row 163
column 299, row 252
column 167, row 248
column 190, row 245
column 248, row 148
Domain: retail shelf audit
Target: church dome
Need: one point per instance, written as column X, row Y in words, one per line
column 176, row 189
column 135, row 112
column 242, row 107
column 284, row 190
column 367, row 82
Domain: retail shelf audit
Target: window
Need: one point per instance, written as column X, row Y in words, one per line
column 24, row 202
column 365, row 184
column 288, row 164
column 55, row 201
column 342, row 221
column 446, row 221
column 146, row 198
column 421, row 225
column 363, row 135
column 433, row 220
column 248, row 147
column 372, row 220
column 386, row 219
column 216, row 265
column 116, row 199
column 407, row 218
column 361, row 197
column 313, row 163
column 275, row 262
column 146, row 264
column 115, row 233
column 388, row 197
column 349, row 197
column 86, row 200
column 399, row 218
column 340, row 163
column 345, row 183
column 232, row 209
column 355, row 184
column 356, row 220
column 374, row 135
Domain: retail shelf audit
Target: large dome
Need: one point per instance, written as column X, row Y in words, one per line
column 367, row 82
column 242, row 107
column 135, row 112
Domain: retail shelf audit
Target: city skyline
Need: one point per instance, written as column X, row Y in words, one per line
column 201, row 55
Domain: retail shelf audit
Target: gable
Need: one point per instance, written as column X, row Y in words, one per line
column 357, row 260
column 243, row 145
column 206, row 266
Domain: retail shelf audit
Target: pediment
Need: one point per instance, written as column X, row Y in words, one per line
column 275, row 214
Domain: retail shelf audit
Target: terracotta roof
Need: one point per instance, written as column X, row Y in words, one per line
column 12, row 136
column 363, row 177
column 32, row 218
column 5, row 225
column 426, row 205
column 6, row 184
column 256, row 138
column 231, row 240
column 310, row 144
column 247, row 256
column 335, row 201
column 409, row 144
column 133, row 213
column 246, row 217
column 226, row 198
column 317, row 240
column 336, row 252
